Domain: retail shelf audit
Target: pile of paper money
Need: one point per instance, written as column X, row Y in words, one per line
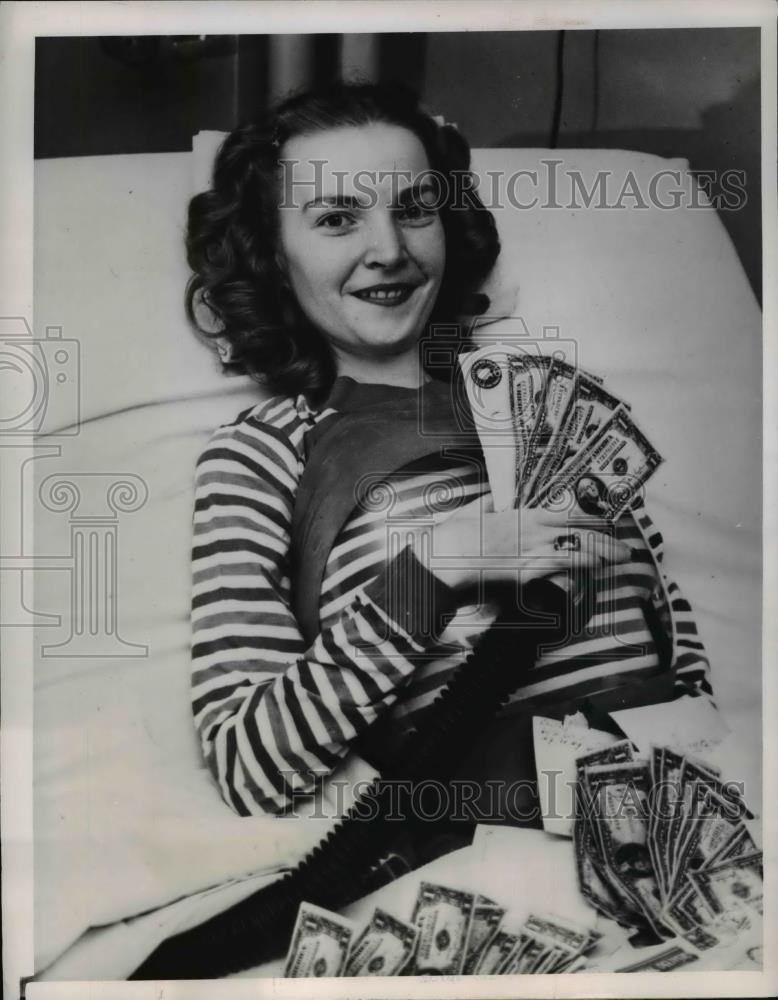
column 451, row 932
column 573, row 445
column 662, row 845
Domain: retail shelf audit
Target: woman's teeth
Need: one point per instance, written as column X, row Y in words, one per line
column 386, row 295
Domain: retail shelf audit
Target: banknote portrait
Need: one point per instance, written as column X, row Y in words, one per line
column 387, row 397
column 590, row 494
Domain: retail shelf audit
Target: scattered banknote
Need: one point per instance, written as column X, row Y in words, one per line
column 485, row 925
column 383, row 948
column 451, row 932
column 662, row 846
column 498, row 952
column 549, row 944
column 732, row 887
column 619, row 794
column 442, row 917
column 320, row 943
column 669, row 960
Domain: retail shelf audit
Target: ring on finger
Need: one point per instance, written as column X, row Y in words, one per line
column 567, row 543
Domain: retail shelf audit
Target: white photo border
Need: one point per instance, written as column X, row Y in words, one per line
column 20, row 23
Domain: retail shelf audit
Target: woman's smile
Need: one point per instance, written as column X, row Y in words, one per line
column 386, row 295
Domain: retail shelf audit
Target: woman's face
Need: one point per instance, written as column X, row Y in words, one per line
column 360, row 240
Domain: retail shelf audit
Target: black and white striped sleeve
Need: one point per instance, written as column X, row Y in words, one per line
column 273, row 717
column 690, row 662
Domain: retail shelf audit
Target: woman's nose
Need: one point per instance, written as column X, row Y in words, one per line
column 386, row 244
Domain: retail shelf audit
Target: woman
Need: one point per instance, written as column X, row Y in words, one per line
column 328, row 247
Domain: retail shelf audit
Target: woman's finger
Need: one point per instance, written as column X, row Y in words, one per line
column 588, row 542
column 597, row 546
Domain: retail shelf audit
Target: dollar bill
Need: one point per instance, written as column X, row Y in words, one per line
column 707, row 803
column 687, row 834
column 576, row 412
column 547, row 944
column 548, row 437
column 688, row 911
column 592, row 406
column 617, row 753
column 666, row 961
column 716, row 825
column 666, row 810
column 656, row 802
column 734, row 885
column 527, row 956
column 527, row 387
column 595, row 887
column 497, row 953
column 605, row 477
column 559, row 932
column 442, row 917
column 678, row 916
column 487, row 917
column 701, row 938
column 705, row 774
column 383, row 948
column 593, row 879
column 741, row 843
column 320, row 943
column 620, row 793
column 550, row 962
column 487, row 381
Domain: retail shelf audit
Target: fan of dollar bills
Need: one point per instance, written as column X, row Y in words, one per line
column 661, row 845
column 451, row 932
column 571, row 437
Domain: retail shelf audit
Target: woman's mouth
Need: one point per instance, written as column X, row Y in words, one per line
column 386, row 295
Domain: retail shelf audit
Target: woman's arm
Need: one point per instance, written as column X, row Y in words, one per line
column 272, row 716
column 689, row 660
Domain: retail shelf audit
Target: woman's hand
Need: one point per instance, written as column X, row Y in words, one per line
column 477, row 543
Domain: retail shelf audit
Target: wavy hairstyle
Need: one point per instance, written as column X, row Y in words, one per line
column 238, row 298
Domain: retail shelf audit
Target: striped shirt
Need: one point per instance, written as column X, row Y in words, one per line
column 275, row 716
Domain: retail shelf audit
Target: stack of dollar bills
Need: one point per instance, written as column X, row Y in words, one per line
column 575, row 445
column 662, row 845
column 450, row 932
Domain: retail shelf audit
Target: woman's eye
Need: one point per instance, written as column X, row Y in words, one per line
column 416, row 213
column 337, row 221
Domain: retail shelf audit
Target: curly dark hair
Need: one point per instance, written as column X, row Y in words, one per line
column 237, row 292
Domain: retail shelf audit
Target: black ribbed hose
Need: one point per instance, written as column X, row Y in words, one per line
column 258, row 929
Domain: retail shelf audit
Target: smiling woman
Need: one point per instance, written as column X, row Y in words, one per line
column 329, row 195
column 323, row 255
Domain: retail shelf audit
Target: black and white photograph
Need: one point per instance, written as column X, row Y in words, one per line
column 387, row 499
